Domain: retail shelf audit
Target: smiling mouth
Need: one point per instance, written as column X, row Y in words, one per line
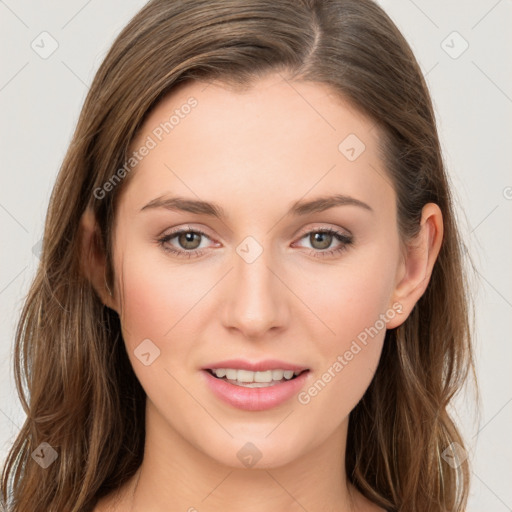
column 249, row 379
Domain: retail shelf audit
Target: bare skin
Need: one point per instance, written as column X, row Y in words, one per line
column 122, row 500
column 255, row 154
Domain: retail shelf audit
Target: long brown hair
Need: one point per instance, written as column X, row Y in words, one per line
column 72, row 372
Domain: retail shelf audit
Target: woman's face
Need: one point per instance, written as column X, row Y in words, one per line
column 259, row 282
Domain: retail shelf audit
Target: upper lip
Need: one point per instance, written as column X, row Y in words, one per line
column 255, row 366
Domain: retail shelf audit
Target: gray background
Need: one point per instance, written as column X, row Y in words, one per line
column 40, row 100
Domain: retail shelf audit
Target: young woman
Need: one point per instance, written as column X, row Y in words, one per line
column 251, row 292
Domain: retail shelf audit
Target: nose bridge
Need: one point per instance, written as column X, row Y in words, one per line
column 257, row 302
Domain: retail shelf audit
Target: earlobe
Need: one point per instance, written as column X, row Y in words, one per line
column 93, row 261
column 419, row 260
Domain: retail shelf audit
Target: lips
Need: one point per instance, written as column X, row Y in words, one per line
column 256, row 366
column 255, row 396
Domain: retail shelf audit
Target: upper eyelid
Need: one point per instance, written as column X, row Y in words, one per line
column 185, row 229
column 299, row 236
column 323, row 227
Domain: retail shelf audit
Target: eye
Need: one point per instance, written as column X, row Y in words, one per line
column 189, row 242
column 321, row 240
column 188, row 239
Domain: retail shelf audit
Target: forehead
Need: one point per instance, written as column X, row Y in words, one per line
column 277, row 139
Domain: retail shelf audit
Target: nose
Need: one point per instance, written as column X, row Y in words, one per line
column 256, row 298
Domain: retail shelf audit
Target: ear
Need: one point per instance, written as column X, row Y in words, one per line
column 416, row 267
column 93, row 260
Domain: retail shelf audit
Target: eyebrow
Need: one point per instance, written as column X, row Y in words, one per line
column 298, row 208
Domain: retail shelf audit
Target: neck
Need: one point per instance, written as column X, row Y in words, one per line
column 175, row 473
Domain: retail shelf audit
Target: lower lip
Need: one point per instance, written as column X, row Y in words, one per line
column 255, row 399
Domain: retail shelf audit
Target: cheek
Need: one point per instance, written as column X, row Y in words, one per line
column 156, row 297
column 355, row 308
column 348, row 358
column 334, row 391
column 351, row 296
column 158, row 302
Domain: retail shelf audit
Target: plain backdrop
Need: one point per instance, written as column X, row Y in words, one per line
column 464, row 49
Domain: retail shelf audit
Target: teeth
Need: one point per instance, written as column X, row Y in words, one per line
column 246, row 376
column 221, row 372
column 277, row 374
column 231, row 374
column 262, row 376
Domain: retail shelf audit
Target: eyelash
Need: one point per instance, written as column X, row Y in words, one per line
column 345, row 240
